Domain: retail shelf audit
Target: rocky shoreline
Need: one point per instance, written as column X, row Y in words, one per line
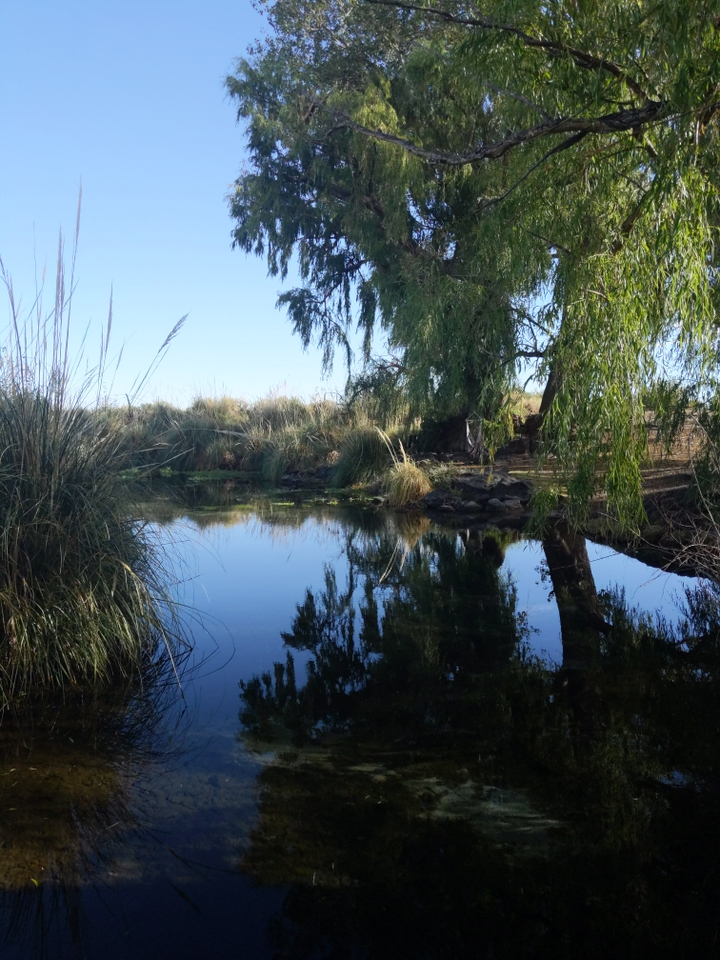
column 478, row 497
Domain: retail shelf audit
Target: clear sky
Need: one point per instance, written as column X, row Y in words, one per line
column 129, row 99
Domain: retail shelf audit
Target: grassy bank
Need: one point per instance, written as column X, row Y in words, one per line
column 277, row 435
column 270, row 437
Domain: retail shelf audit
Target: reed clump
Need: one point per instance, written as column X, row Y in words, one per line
column 82, row 598
column 405, row 481
column 363, row 456
column 272, row 436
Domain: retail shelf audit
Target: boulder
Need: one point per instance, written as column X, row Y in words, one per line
column 508, row 488
column 474, row 485
column 481, row 487
column 511, row 505
column 434, row 499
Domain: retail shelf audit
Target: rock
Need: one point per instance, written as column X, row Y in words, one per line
column 509, row 505
column 507, row 488
column 469, row 506
column 481, row 487
column 474, row 485
column 445, row 508
column 434, row 499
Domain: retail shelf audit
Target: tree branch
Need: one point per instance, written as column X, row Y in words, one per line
column 565, row 145
column 585, row 60
column 621, row 120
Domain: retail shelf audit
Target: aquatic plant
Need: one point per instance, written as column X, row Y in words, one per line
column 82, row 597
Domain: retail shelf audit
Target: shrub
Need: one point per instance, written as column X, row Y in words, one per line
column 405, row 482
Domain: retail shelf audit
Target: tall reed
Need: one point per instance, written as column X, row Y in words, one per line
column 82, row 598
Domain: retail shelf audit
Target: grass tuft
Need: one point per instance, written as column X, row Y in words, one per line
column 81, row 589
column 363, row 456
column 405, row 482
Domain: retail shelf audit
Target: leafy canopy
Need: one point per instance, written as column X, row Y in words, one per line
column 494, row 183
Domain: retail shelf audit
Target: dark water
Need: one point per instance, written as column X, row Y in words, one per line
column 395, row 741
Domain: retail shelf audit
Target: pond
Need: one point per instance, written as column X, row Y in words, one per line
column 391, row 739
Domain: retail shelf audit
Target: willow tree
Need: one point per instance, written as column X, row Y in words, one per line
column 499, row 182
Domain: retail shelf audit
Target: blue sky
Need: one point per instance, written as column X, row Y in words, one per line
column 129, row 99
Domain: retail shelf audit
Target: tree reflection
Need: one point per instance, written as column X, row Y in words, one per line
column 383, row 658
column 438, row 792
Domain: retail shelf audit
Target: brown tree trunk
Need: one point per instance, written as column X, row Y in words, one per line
column 534, row 423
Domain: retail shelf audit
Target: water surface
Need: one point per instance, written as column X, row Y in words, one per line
column 393, row 740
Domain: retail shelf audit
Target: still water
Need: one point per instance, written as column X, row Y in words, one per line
column 393, row 740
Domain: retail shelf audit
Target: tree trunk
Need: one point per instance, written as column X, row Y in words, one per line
column 534, row 423
column 580, row 621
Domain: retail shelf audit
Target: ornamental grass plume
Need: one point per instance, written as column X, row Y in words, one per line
column 82, row 595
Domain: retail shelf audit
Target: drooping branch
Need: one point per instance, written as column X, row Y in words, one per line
column 611, row 123
column 555, row 48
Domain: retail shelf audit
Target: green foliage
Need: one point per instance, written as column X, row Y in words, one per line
column 522, row 183
column 379, row 393
column 82, row 587
column 363, row 457
column 499, row 430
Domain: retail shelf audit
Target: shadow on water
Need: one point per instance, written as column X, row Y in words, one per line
column 437, row 791
column 67, row 769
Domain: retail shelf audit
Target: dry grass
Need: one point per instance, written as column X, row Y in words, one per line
column 405, row 482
